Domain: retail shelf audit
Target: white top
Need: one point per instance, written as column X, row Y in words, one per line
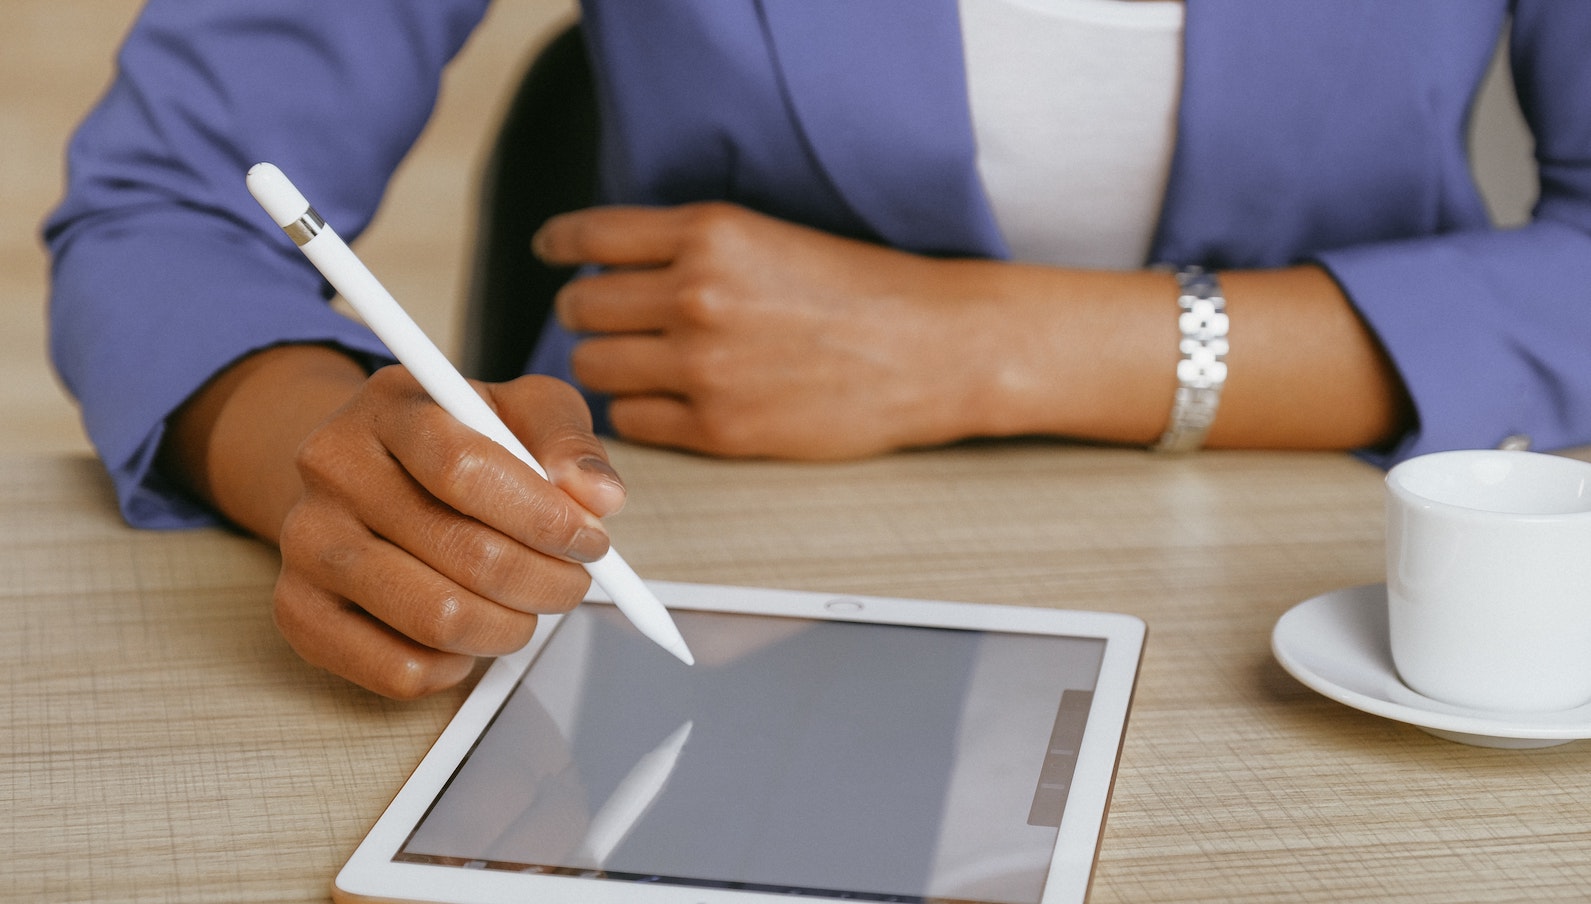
column 1074, row 106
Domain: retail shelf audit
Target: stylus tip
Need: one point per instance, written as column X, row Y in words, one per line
column 682, row 652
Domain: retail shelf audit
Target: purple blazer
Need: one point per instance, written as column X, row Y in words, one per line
column 1332, row 133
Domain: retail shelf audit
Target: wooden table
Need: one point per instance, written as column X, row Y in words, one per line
column 161, row 743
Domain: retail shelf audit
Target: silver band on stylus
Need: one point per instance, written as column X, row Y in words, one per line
column 305, row 227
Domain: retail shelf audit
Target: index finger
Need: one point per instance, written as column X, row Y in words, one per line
column 473, row 475
column 615, row 236
column 552, row 419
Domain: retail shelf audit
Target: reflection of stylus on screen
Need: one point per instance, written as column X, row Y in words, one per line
column 633, row 796
column 404, row 338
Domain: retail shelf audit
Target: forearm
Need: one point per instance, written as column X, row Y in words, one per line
column 1093, row 354
column 732, row 333
column 234, row 442
column 1313, row 375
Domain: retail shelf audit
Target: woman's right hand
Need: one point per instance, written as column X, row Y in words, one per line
column 410, row 543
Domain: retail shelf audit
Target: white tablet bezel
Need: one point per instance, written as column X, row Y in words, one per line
column 371, row 875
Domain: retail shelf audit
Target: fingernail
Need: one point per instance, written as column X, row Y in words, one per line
column 611, row 501
column 588, row 545
column 596, row 466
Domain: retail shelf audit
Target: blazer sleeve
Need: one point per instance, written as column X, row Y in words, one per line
column 1491, row 329
column 164, row 269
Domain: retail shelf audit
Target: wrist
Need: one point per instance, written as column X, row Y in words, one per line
column 233, row 442
column 1083, row 354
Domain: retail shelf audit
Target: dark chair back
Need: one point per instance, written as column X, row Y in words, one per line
column 544, row 162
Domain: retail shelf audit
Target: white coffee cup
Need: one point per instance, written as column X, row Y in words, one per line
column 1489, row 579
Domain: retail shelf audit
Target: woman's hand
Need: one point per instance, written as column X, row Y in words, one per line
column 418, row 544
column 724, row 331
column 410, row 544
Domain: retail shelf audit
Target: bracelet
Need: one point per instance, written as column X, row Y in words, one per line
column 1202, row 370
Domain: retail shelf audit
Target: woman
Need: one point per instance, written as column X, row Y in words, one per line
column 838, row 229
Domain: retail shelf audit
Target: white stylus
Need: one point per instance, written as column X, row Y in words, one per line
column 409, row 344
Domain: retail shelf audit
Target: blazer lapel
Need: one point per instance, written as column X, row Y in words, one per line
column 853, row 71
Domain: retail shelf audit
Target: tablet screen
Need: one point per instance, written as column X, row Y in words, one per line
column 813, row 757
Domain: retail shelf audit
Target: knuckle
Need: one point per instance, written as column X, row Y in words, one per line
column 407, row 678
column 462, row 468
column 318, row 456
column 715, row 223
column 537, row 396
column 546, row 522
column 555, row 392
column 700, row 302
column 445, row 623
column 307, row 543
column 475, row 554
column 292, row 542
column 715, row 231
column 392, row 379
column 332, row 558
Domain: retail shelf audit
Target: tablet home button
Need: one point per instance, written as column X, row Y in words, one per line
column 843, row 606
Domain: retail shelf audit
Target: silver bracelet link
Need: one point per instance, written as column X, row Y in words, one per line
column 1201, row 372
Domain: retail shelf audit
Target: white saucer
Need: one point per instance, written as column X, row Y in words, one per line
column 1337, row 644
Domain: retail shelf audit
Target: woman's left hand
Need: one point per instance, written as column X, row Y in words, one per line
column 727, row 332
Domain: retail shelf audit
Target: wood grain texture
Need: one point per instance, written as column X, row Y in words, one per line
column 163, row 744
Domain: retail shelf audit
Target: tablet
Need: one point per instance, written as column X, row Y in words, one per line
column 841, row 747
